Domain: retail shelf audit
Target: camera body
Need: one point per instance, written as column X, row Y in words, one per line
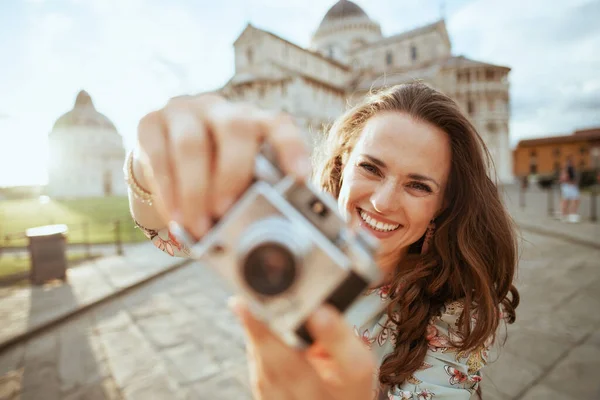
column 286, row 249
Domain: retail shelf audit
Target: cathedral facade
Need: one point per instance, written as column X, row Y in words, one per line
column 349, row 57
column 86, row 154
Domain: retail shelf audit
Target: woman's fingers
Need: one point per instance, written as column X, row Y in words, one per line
column 278, row 370
column 201, row 151
column 330, row 330
column 154, row 156
column 236, row 131
column 286, row 139
column 324, row 365
column 191, row 153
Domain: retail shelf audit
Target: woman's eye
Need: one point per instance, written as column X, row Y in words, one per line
column 421, row 187
column 369, row 168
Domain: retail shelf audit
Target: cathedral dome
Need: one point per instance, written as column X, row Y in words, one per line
column 83, row 115
column 344, row 27
column 343, row 9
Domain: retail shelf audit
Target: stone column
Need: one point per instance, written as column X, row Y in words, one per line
column 505, row 173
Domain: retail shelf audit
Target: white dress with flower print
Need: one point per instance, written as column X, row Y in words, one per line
column 445, row 374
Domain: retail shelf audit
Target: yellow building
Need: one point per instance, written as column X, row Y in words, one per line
column 545, row 156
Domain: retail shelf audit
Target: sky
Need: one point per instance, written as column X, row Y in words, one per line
column 131, row 56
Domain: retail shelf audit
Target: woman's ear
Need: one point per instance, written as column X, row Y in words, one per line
column 442, row 210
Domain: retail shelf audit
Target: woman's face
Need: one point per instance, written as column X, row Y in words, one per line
column 394, row 181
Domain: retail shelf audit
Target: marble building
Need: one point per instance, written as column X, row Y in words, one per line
column 348, row 57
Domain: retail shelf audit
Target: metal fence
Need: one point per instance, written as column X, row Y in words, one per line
column 85, row 241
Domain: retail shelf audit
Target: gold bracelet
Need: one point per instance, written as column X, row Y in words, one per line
column 138, row 191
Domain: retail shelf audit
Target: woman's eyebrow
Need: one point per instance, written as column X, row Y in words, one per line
column 418, row 177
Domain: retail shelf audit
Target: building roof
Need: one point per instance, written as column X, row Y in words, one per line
column 578, row 136
column 310, row 78
column 330, row 60
column 592, row 133
column 440, row 24
column 462, row 61
column 341, row 10
column 83, row 114
column 283, row 74
column 249, row 77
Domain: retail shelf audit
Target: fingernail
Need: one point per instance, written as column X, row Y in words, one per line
column 234, row 304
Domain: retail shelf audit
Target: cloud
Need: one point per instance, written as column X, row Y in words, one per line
column 132, row 55
column 577, row 23
column 553, row 55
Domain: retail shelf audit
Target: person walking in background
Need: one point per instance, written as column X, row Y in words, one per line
column 569, row 190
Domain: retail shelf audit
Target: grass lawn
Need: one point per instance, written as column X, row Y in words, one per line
column 97, row 214
column 11, row 264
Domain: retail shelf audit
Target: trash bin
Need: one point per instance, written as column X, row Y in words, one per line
column 47, row 251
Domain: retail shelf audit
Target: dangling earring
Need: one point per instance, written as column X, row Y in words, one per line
column 428, row 237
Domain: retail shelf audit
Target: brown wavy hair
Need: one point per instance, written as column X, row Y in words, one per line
column 474, row 252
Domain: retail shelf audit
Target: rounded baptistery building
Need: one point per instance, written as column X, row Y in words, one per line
column 86, row 154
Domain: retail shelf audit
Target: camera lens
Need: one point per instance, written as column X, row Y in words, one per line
column 270, row 269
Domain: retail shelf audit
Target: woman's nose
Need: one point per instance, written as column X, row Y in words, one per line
column 386, row 198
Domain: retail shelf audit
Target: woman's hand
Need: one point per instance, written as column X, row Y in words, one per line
column 337, row 366
column 197, row 155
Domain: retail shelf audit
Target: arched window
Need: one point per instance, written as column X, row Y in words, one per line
column 389, row 58
column 249, row 55
column 413, row 52
column 470, row 107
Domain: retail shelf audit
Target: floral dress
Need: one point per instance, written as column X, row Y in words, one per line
column 446, row 373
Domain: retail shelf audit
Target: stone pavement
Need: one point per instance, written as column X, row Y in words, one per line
column 553, row 349
column 174, row 338
column 24, row 309
column 170, row 339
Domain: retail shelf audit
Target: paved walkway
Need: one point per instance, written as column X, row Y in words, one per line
column 25, row 309
column 174, row 338
column 553, row 349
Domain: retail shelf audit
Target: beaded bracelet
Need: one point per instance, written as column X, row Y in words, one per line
column 138, row 191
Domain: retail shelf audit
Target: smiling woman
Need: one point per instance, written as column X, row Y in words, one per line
column 408, row 166
column 411, row 168
column 396, row 177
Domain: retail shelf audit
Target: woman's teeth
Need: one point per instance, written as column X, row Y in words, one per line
column 377, row 225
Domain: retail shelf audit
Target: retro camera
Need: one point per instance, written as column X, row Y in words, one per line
column 286, row 249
